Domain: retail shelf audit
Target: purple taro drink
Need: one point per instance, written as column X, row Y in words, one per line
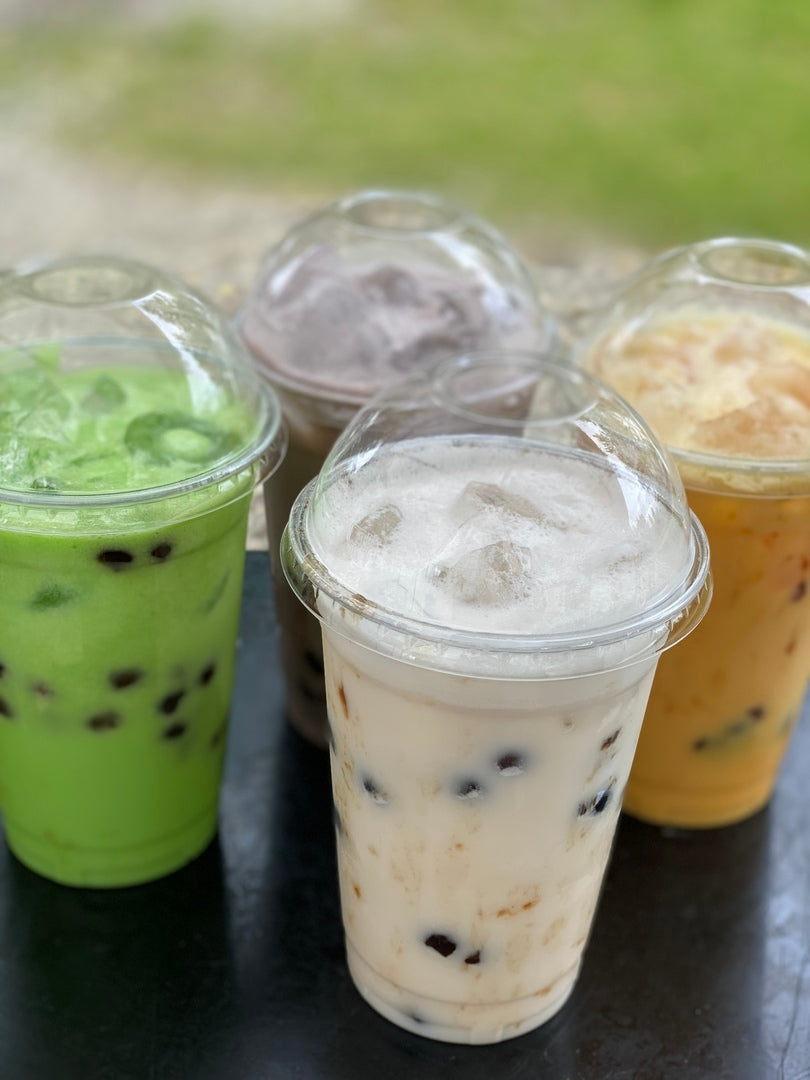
column 132, row 433
column 370, row 289
column 494, row 590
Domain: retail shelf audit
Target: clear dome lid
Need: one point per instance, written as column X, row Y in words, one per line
column 119, row 384
column 711, row 343
column 381, row 284
column 501, row 508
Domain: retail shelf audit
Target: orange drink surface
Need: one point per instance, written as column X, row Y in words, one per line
column 729, row 391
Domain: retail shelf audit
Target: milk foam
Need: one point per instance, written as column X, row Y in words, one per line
column 487, row 534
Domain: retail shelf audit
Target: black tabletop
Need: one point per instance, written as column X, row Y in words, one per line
column 233, row 969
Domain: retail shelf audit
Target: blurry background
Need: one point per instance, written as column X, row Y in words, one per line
column 591, row 131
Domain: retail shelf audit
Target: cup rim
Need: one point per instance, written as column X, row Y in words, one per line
column 676, row 613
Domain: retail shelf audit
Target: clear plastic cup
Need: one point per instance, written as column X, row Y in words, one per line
column 712, row 344
column 498, row 553
column 364, row 292
column 133, row 431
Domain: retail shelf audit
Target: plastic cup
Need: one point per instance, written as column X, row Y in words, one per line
column 497, row 552
column 133, row 432
column 712, row 344
column 377, row 285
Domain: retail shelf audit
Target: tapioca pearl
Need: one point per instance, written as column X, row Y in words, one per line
column 51, row 596
column 160, row 552
column 473, row 958
column 799, row 592
column 443, row 945
column 314, row 662
column 597, row 803
column 124, row 678
column 115, row 558
column 207, row 674
column 374, row 791
column 310, row 693
column 610, row 740
column 469, row 789
column 104, row 721
column 5, row 709
column 170, row 702
column 511, row 763
column 175, row 731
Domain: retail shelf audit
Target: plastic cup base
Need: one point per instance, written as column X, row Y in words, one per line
column 457, row 1022
column 110, row 868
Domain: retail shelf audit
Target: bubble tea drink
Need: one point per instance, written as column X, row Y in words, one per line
column 497, row 555
column 132, row 432
column 712, row 345
column 371, row 288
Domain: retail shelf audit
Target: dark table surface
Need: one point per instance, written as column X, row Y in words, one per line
column 232, row 969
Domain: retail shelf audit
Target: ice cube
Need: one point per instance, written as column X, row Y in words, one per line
column 377, row 527
column 478, row 496
column 389, row 284
column 497, row 574
column 105, row 395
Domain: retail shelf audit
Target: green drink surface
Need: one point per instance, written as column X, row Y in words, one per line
column 112, row 430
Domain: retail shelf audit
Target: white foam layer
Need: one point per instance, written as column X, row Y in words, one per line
column 491, row 535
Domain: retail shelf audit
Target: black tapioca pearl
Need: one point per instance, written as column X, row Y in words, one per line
column 162, row 551
column 443, row 945
column 106, row 721
column 310, row 693
column 374, row 792
column 511, row 764
column 611, row 739
column 595, row 805
column 207, row 674
column 799, row 592
column 756, row 713
column 126, row 677
column 169, row 704
column 314, row 661
column 5, row 709
column 473, row 958
column 469, row 789
column 175, row 731
column 115, row 558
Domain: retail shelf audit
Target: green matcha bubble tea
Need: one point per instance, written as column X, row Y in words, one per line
column 132, row 433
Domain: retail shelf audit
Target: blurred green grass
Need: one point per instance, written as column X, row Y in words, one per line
column 657, row 121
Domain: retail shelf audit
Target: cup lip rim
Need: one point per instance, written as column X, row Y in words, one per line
column 680, row 609
column 453, row 215
column 697, row 253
